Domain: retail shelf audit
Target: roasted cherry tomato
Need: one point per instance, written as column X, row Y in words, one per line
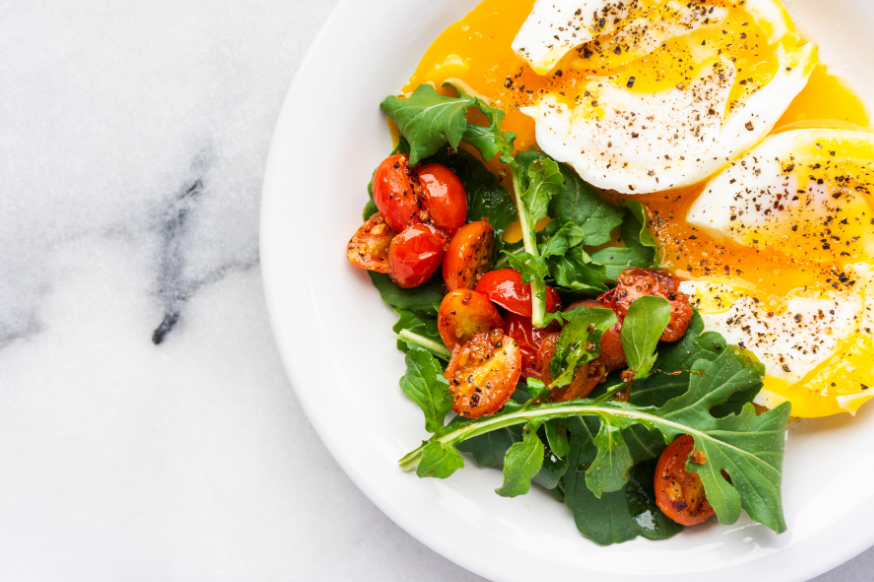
column 680, row 494
column 585, row 378
column 415, row 254
column 394, row 193
column 368, row 248
column 444, row 197
column 465, row 313
column 469, row 255
column 483, row 373
column 529, row 339
column 635, row 283
column 612, row 352
column 505, row 288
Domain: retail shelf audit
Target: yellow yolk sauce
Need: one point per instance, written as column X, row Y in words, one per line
column 476, row 53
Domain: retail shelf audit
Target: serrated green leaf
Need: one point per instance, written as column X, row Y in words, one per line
column 522, row 462
column 535, row 387
column 749, row 448
column 609, row 470
column 583, row 331
column 643, row 443
column 439, row 461
column 576, row 272
column 544, row 180
column 647, row 318
column 428, row 120
column 577, row 203
column 531, row 267
column 489, row 450
column 425, row 384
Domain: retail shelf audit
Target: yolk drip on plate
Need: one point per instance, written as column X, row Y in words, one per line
column 476, row 53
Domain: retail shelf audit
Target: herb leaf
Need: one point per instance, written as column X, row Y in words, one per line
column 617, row 259
column 439, row 460
column 423, row 300
column 609, row 470
column 577, row 272
column 577, row 203
column 425, row 385
column 643, row 326
column 428, row 120
column 544, row 180
column 522, row 463
column 584, row 330
column 615, row 517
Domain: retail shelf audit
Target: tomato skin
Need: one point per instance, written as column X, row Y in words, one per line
column 369, row 246
column 680, row 494
column 483, row 373
column 463, row 314
column 469, row 255
column 444, row 196
column 394, row 193
column 529, row 339
column 505, row 288
column 636, row 283
column 415, row 254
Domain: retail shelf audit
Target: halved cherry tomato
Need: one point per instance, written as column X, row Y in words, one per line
column 612, row 352
column 483, row 373
column 585, row 378
column 529, row 338
column 469, row 255
column 680, row 494
column 444, row 197
column 465, row 313
column 636, row 283
column 415, row 254
column 505, row 288
column 394, row 193
column 368, row 248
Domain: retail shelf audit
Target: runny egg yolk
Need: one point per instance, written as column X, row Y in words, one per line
column 476, row 53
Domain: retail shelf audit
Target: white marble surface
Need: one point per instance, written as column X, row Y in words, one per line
column 147, row 430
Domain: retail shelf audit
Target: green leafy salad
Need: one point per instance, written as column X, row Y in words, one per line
column 565, row 359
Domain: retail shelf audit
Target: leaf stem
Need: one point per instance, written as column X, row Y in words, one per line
column 529, row 239
column 556, row 410
column 435, row 348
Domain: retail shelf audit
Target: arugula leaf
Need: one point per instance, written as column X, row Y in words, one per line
column 536, row 387
column 635, row 234
column 554, row 465
column 544, row 180
column 531, row 267
column 425, row 385
column 580, row 342
column 674, row 366
column 577, row 272
column 486, row 198
column 617, row 259
column 577, row 203
column 423, row 300
column 522, row 463
column 643, row 443
column 428, row 120
column 615, row 517
column 644, row 324
column 747, row 447
column 609, row 471
column 556, row 436
column 439, row 460
column 488, row 450
column 417, row 324
column 559, row 239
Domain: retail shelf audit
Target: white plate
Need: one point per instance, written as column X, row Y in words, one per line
column 334, row 334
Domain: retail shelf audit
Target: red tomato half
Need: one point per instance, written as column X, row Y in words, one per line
column 463, row 314
column 505, row 288
column 529, row 339
column 483, row 374
column 636, row 283
column 415, row 254
column 469, row 255
column 679, row 493
column 394, row 194
column 368, row 248
column 444, row 197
